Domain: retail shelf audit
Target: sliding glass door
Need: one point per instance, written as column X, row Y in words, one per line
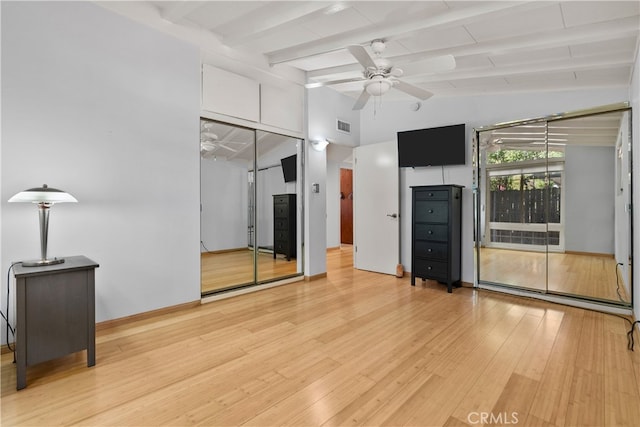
column 552, row 205
column 241, row 172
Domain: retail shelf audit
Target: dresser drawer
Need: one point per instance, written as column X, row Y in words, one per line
column 432, row 211
column 280, row 199
column 280, row 246
column 281, row 224
column 430, row 269
column 280, row 211
column 281, row 234
column 432, row 195
column 428, row 249
column 435, row 232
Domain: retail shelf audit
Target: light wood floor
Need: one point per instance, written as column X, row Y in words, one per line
column 355, row 348
column 228, row 269
column 593, row 276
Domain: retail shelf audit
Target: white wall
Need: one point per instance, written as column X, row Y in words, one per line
column 324, row 107
column 109, row 111
column 475, row 111
column 589, row 208
column 333, row 205
column 634, row 96
column 224, row 197
column 315, row 210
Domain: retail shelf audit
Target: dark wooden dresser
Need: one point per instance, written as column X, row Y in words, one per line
column 436, row 231
column 284, row 225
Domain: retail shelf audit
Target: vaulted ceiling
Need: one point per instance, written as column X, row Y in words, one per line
column 498, row 46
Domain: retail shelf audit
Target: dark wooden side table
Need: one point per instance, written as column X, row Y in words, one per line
column 55, row 309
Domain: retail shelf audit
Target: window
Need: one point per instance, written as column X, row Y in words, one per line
column 524, row 207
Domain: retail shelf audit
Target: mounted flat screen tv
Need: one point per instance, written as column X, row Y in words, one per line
column 439, row 146
column 289, row 167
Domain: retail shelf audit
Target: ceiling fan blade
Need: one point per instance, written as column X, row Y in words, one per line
column 333, row 82
column 362, row 100
column 225, row 146
column 363, row 57
column 430, row 65
column 412, row 90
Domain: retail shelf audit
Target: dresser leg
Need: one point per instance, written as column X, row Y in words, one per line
column 21, row 374
column 413, row 280
column 21, row 334
column 449, row 287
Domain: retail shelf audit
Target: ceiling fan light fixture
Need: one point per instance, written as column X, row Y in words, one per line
column 378, row 86
column 207, row 146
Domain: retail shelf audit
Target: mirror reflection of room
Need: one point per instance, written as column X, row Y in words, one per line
column 554, row 210
column 243, row 172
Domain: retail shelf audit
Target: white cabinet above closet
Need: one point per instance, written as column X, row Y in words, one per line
column 230, row 94
column 237, row 99
column 282, row 107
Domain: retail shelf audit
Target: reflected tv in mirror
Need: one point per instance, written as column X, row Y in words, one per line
column 438, row 146
column 289, row 167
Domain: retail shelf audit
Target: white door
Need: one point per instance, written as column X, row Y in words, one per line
column 375, row 208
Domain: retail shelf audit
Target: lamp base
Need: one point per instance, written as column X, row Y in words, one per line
column 42, row 262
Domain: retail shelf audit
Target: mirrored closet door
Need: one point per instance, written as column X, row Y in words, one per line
column 278, row 206
column 553, row 205
column 242, row 171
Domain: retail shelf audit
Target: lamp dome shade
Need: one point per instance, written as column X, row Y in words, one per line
column 44, row 194
column 378, row 86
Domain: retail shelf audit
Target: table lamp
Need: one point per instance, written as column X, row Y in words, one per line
column 44, row 197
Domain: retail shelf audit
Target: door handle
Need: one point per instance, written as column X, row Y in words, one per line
column 393, row 215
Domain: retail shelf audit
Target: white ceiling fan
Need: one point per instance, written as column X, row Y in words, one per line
column 380, row 75
column 210, row 143
column 212, row 146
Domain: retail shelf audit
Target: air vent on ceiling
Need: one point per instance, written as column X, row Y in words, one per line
column 344, row 126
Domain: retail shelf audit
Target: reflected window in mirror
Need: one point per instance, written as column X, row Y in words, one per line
column 552, row 208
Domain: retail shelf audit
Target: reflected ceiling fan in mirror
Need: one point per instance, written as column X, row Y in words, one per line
column 380, row 75
column 212, row 146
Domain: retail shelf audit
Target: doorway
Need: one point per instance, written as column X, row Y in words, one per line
column 346, row 206
column 376, row 207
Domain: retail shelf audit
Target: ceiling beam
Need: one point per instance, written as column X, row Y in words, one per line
column 625, row 28
column 274, row 17
column 603, row 31
column 176, row 11
column 568, row 65
column 420, row 21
